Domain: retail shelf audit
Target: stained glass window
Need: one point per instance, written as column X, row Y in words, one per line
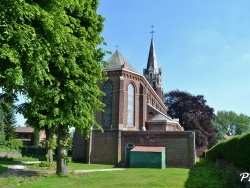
column 107, row 100
column 131, row 105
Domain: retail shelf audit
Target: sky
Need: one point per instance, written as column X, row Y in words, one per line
column 203, row 47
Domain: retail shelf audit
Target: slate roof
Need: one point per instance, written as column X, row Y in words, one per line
column 116, row 61
column 160, row 117
column 24, row 130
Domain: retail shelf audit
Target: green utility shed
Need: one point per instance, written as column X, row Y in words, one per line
column 147, row 157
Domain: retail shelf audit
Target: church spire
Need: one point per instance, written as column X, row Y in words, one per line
column 152, row 73
column 152, row 65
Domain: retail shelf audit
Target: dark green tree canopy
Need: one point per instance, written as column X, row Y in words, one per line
column 193, row 114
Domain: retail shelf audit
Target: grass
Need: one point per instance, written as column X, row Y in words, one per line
column 5, row 161
column 208, row 175
column 204, row 174
column 74, row 166
column 126, row 178
column 4, row 165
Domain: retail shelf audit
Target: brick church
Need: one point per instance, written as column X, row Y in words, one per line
column 134, row 115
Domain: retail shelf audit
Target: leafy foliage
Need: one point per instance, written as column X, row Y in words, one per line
column 45, row 164
column 193, row 114
column 230, row 123
column 50, row 52
column 13, row 144
column 235, row 150
column 209, row 174
column 8, row 107
column 35, row 137
column 2, row 136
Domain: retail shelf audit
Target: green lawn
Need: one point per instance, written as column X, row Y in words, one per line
column 126, row 178
column 204, row 174
column 4, row 165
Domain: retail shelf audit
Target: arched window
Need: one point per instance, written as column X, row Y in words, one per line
column 131, row 105
column 150, row 75
column 107, row 100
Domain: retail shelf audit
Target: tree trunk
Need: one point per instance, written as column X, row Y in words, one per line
column 49, row 155
column 49, row 132
column 61, row 167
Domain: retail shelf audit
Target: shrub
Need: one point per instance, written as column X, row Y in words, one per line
column 235, row 150
column 45, row 164
column 69, row 159
column 33, row 151
column 18, row 159
column 13, row 144
column 25, row 158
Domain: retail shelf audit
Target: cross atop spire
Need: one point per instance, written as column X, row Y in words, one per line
column 117, row 47
column 152, row 73
column 152, row 32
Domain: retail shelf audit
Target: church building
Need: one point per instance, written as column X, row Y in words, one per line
column 134, row 115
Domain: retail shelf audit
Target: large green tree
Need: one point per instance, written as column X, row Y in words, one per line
column 230, row 123
column 193, row 114
column 54, row 45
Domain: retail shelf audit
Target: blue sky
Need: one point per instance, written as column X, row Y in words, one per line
column 202, row 46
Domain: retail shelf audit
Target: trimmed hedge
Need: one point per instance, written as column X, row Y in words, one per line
column 33, row 151
column 235, row 150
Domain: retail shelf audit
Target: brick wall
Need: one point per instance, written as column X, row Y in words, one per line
column 156, row 126
column 79, row 152
column 104, row 147
column 144, row 93
column 180, row 150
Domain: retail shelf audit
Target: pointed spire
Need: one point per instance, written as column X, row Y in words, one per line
column 152, row 61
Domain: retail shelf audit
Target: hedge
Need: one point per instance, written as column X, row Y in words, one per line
column 235, row 150
column 33, row 151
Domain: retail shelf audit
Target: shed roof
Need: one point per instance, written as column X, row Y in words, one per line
column 148, row 149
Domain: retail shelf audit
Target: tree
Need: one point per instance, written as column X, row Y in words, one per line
column 9, row 119
column 230, row 123
column 2, row 136
column 53, row 46
column 193, row 114
column 35, row 120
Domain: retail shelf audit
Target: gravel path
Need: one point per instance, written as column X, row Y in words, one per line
column 99, row 170
column 20, row 170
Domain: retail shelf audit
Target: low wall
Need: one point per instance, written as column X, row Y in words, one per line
column 10, row 154
column 180, row 145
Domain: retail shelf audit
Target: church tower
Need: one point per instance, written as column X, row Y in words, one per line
column 152, row 73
